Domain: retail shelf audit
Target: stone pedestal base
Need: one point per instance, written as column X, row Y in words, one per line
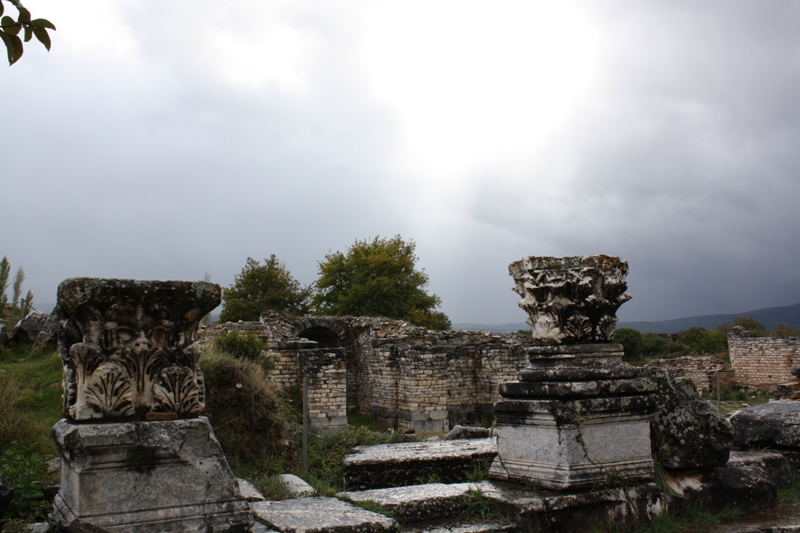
column 146, row 477
column 577, row 444
column 577, row 419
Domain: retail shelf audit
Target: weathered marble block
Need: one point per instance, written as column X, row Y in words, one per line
column 571, row 300
column 128, row 347
column 144, row 477
column 135, row 454
column 587, row 426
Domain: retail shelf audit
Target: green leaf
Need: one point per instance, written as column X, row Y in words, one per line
column 28, row 33
column 43, row 37
column 42, row 23
column 13, row 46
column 2, row 7
column 10, row 25
column 24, row 16
column 16, row 45
column 6, row 38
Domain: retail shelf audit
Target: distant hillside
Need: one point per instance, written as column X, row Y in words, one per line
column 492, row 328
column 789, row 314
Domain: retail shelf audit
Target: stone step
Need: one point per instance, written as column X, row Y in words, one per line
column 409, row 463
column 418, row 503
column 320, row 515
column 451, row 526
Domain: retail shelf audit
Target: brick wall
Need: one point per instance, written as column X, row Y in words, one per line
column 406, row 375
column 702, row 371
column 762, row 362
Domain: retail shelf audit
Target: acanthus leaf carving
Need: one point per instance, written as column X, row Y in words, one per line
column 571, row 300
column 128, row 346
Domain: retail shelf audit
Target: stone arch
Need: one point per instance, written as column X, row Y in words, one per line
column 324, row 328
column 334, row 333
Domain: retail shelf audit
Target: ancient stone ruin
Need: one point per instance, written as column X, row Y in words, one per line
column 135, row 453
column 571, row 300
column 578, row 416
column 406, row 376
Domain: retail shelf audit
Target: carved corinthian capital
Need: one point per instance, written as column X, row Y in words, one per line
column 571, row 300
column 128, row 347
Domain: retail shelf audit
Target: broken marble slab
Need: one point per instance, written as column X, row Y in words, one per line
column 321, row 515
column 410, row 463
column 418, row 503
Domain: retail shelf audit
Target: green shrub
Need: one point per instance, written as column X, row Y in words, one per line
column 250, row 420
column 631, row 341
column 242, row 346
column 30, row 403
column 482, row 507
column 325, row 454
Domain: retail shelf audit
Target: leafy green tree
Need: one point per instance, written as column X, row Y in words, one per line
column 10, row 30
column 261, row 288
column 753, row 325
column 692, row 336
column 5, row 273
column 12, row 311
column 378, row 278
column 782, row 329
column 631, row 340
column 655, row 345
column 713, row 341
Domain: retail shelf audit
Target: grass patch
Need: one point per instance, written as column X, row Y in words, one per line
column 693, row 519
column 370, row 422
column 30, row 403
column 251, row 421
column 482, row 507
column 480, row 472
column 790, row 494
column 375, row 507
column 325, row 454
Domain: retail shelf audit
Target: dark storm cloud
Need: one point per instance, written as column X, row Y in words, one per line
column 685, row 160
column 137, row 150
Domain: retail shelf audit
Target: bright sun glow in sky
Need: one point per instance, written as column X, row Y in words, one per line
column 473, row 83
column 663, row 132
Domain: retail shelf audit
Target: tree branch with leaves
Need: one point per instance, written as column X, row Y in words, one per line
column 25, row 24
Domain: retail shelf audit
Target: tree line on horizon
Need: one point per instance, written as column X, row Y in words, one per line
column 695, row 340
column 12, row 311
column 377, row 277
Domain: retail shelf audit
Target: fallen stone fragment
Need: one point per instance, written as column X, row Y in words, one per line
column 3, row 333
column 686, row 431
column 749, row 479
column 249, row 491
column 321, row 515
column 774, row 424
column 6, row 493
column 48, row 336
column 419, row 503
column 414, row 463
column 467, row 432
column 297, row 487
column 27, row 329
column 545, row 511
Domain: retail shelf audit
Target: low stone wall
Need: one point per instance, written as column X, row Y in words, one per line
column 701, row 371
column 762, row 362
column 408, row 376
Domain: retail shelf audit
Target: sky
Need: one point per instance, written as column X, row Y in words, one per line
column 170, row 139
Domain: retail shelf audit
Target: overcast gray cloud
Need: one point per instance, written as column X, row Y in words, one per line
column 167, row 140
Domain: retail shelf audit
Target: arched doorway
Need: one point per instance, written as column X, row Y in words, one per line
column 331, row 332
column 324, row 337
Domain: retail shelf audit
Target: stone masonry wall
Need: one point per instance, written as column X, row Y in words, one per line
column 701, row 371
column 406, row 375
column 762, row 362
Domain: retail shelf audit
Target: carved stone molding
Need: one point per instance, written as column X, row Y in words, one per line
column 128, row 347
column 571, row 300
